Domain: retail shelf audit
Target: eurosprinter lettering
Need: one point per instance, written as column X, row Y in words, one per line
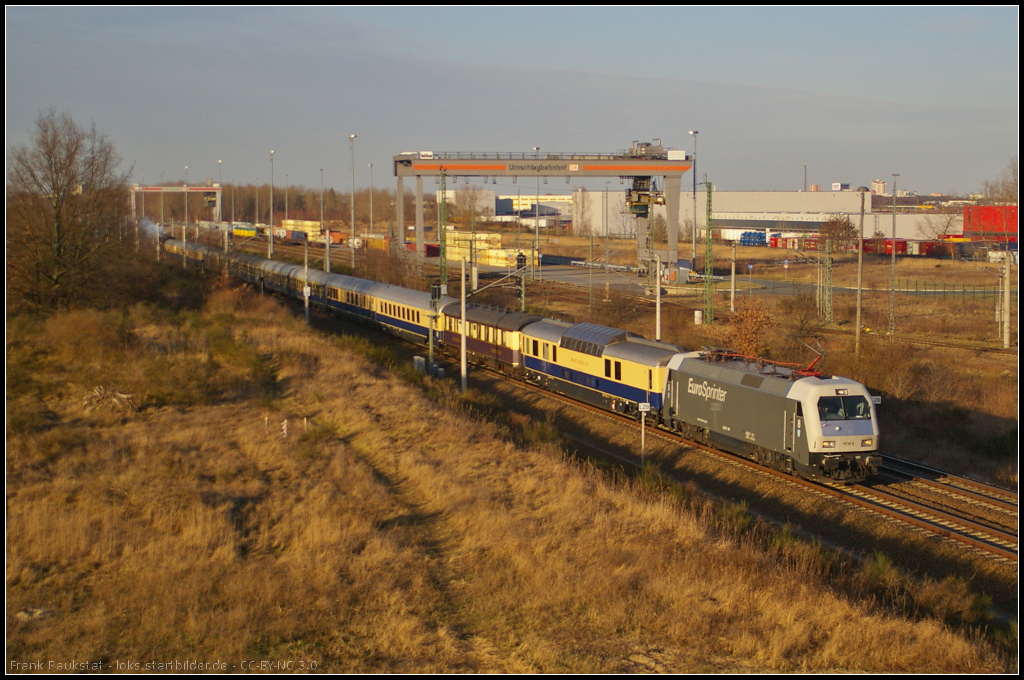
column 706, row 391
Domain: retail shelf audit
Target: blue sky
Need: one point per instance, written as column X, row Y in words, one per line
column 856, row 93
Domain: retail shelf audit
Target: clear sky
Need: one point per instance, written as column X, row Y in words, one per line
column 855, row 93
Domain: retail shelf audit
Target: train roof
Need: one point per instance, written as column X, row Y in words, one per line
column 549, row 330
column 765, row 377
column 589, row 338
column 404, row 296
column 277, row 267
column 643, row 351
column 491, row 316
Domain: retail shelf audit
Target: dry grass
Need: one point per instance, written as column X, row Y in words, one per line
column 396, row 534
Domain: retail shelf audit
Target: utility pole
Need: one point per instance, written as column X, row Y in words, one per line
column 657, row 286
column 305, row 277
column 732, row 285
column 442, row 249
column 1007, row 290
column 607, row 249
column 860, row 278
column 465, row 329
column 828, row 282
column 326, row 232
column 270, row 227
column 892, row 278
column 537, row 215
column 352, row 235
column 693, row 170
column 709, row 279
column 591, row 268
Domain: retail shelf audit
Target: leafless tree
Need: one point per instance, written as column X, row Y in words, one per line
column 467, row 205
column 1005, row 189
column 66, row 211
column 751, row 322
column 581, row 204
column 940, row 224
column 840, row 230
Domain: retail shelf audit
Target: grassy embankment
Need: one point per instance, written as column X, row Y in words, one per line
column 399, row 531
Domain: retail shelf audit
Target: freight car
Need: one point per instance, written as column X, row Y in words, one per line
column 794, row 420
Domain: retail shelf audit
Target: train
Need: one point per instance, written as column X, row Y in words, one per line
column 795, row 420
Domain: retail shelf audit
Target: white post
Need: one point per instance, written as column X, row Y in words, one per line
column 643, row 437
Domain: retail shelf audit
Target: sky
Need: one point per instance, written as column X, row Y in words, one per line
column 856, row 94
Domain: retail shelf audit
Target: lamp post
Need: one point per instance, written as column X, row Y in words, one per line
column 352, row 236
column 693, row 170
column 220, row 180
column 270, row 227
column 371, row 197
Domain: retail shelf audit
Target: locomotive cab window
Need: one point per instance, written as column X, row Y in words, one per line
column 844, row 408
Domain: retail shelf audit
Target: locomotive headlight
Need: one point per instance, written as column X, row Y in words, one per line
column 828, row 444
column 867, row 442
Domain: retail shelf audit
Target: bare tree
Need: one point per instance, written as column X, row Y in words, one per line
column 940, row 224
column 659, row 229
column 840, row 230
column 1005, row 189
column 581, row 204
column 66, row 209
column 466, row 206
column 751, row 322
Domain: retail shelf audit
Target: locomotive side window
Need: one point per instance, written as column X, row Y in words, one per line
column 554, row 352
column 618, row 370
column 844, row 408
column 607, row 368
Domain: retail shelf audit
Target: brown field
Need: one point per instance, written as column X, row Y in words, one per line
column 394, row 529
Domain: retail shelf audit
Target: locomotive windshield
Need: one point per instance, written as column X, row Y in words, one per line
column 844, row 408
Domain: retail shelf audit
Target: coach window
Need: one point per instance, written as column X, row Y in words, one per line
column 650, row 379
column 535, row 351
column 545, row 351
column 554, row 353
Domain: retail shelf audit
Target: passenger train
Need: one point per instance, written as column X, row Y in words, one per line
column 793, row 420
